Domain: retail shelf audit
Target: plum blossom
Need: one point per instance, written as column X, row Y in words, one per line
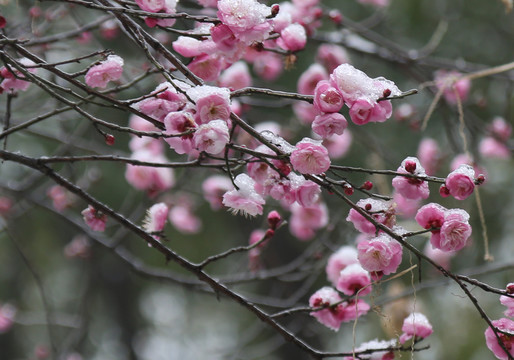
column 246, row 19
column 415, row 326
column 452, row 87
column 95, row 219
column 152, row 179
column 331, row 56
column 380, row 255
column 166, row 100
column 338, row 145
column 493, row 148
column 178, row 122
column 331, row 317
column 410, row 187
column 461, row 182
column 429, row 155
column 327, row 98
column 292, row 38
column 506, row 325
column 158, row 6
column 310, row 157
column 213, row 189
column 212, row 103
column 206, row 66
column 61, row 198
column 354, row 278
column 451, row 228
column 236, row 77
column 306, row 192
column 508, row 302
column 310, row 78
column 211, row 137
column 155, row 218
column 13, row 78
column 380, row 210
column 108, row 70
column 183, row 219
column 338, row 261
column 305, row 220
column 405, row 208
column 245, row 199
column 441, row 257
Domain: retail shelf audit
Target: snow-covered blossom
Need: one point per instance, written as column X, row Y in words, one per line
column 380, row 255
column 380, row 210
column 211, row 137
column 13, row 78
column 178, row 122
column 343, row 257
column 461, row 182
column 292, row 38
column 212, row 103
column 155, row 218
column 330, row 317
column 108, row 70
column 354, row 278
column 245, row 200
column 310, row 157
column 506, row 325
column 246, row 19
column 166, row 100
column 95, row 219
column 415, row 326
column 410, row 187
column 451, row 227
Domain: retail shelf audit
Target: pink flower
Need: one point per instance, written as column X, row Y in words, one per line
column 212, row 103
column 455, row 231
column 327, row 98
column 508, row 302
column 431, row 216
column 236, row 77
column 245, row 200
column 78, row 247
column 331, row 56
column 183, row 219
column 165, row 101
column 268, row 66
column 429, row 155
column 7, row 315
column 381, row 254
column 151, row 5
column 354, row 309
column 354, row 278
column 439, row 256
column 213, row 189
column 305, row 112
column 415, row 326
column 500, row 129
column 461, row 182
column 177, row 123
column 363, row 111
column 246, row 19
column 223, row 37
column 94, row 219
column 448, row 82
column 326, row 125
column 152, row 179
column 306, row 192
column 61, row 198
column 506, row 325
column 14, row 81
column 108, row 70
column 309, row 79
column 409, row 187
column 156, row 218
column 381, row 211
column 305, row 220
column 338, row 145
column 492, row 148
column 345, row 256
column 405, row 208
column 211, row 137
column 310, row 157
column 292, row 38
column 331, row 317
column 207, row 67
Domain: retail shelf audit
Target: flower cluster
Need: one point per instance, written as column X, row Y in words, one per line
column 450, row 228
